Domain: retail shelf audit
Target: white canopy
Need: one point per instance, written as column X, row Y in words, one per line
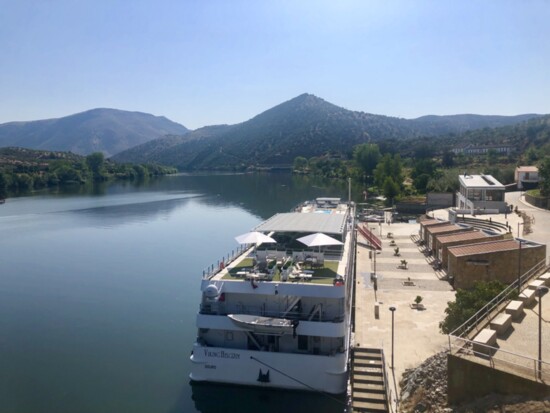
column 318, row 239
column 254, row 238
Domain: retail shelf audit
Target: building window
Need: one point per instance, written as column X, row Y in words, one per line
column 494, row 196
column 302, row 342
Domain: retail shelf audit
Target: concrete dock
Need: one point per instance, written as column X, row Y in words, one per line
column 416, row 332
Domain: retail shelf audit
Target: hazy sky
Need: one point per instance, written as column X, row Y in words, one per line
column 209, row 62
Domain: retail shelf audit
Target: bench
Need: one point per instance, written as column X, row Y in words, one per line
column 486, row 337
column 501, row 323
column 515, row 309
column 527, row 297
column 533, row 285
column 545, row 278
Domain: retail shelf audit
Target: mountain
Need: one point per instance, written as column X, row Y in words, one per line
column 304, row 126
column 97, row 130
column 440, row 125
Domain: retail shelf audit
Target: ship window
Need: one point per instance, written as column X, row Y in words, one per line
column 302, row 342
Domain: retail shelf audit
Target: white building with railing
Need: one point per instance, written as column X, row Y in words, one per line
column 480, row 194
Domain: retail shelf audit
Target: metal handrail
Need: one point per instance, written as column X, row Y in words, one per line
column 519, row 361
column 486, row 310
column 386, row 385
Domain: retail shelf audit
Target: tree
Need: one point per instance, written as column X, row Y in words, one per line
column 492, row 157
column 67, row 174
column 544, row 176
column 531, row 155
column 448, row 160
column 3, row 185
column 468, row 302
column 367, row 156
column 141, row 171
column 421, row 182
column 423, row 151
column 391, row 189
column 24, row 181
column 300, row 163
column 389, row 166
column 95, row 162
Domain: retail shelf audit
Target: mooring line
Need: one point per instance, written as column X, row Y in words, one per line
column 301, row 382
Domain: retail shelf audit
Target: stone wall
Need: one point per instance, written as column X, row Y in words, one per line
column 500, row 265
column 538, row 202
column 445, row 248
column 440, row 199
column 468, row 380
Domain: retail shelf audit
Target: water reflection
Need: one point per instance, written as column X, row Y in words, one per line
column 113, row 215
column 216, row 398
column 98, row 310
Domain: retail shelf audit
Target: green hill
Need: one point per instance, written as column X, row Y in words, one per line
column 97, row 130
column 304, row 126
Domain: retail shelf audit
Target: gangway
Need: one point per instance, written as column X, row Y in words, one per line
column 370, row 237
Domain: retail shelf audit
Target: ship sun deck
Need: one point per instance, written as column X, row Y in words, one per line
column 288, row 260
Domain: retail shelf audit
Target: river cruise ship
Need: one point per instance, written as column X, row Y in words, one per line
column 277, row 313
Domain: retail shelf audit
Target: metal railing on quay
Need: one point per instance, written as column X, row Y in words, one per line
column 501, row 359
column 482, row 317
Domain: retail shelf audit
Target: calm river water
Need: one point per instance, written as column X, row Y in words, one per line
column 99, row 288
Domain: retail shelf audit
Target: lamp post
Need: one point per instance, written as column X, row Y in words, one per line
column 519, row 260
column 392, row 309
column 540, row 292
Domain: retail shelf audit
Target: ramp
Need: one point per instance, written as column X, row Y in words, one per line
column 372, row 239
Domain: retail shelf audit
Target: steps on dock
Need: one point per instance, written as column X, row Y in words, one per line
column 368, row 390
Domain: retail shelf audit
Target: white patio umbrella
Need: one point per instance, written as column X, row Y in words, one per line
column 318, row 239
column 254, row 238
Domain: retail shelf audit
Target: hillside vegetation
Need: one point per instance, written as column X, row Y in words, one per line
column 305, row 126
column 25, row 169
column 99, row 130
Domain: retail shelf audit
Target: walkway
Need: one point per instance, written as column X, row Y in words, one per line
column 417, row 335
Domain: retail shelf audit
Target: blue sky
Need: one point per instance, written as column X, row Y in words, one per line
column 210, row 62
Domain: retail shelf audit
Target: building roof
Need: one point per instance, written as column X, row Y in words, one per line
column 484, row 248
column 461, row 236
column 527, row 169
column 304, row 222
column 430, row 222
column 445, row 228
column 480, row 181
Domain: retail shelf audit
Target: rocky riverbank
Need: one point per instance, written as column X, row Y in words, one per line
column 424, row 389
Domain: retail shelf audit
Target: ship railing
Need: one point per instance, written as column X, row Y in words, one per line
column 224, row 309
column 228, row 259
column 225, row 261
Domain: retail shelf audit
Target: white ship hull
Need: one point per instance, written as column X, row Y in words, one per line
column 287, row 371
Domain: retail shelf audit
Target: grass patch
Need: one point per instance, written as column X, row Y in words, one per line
column 323, row 275
column 535, row 193
column 246, row 263
column 326, row 274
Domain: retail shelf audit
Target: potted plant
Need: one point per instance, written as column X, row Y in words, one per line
column 396, row 252
column 404, row 264
column 418, row 303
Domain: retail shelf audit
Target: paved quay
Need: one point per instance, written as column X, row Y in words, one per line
column 416, row 332
column 417, row 335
